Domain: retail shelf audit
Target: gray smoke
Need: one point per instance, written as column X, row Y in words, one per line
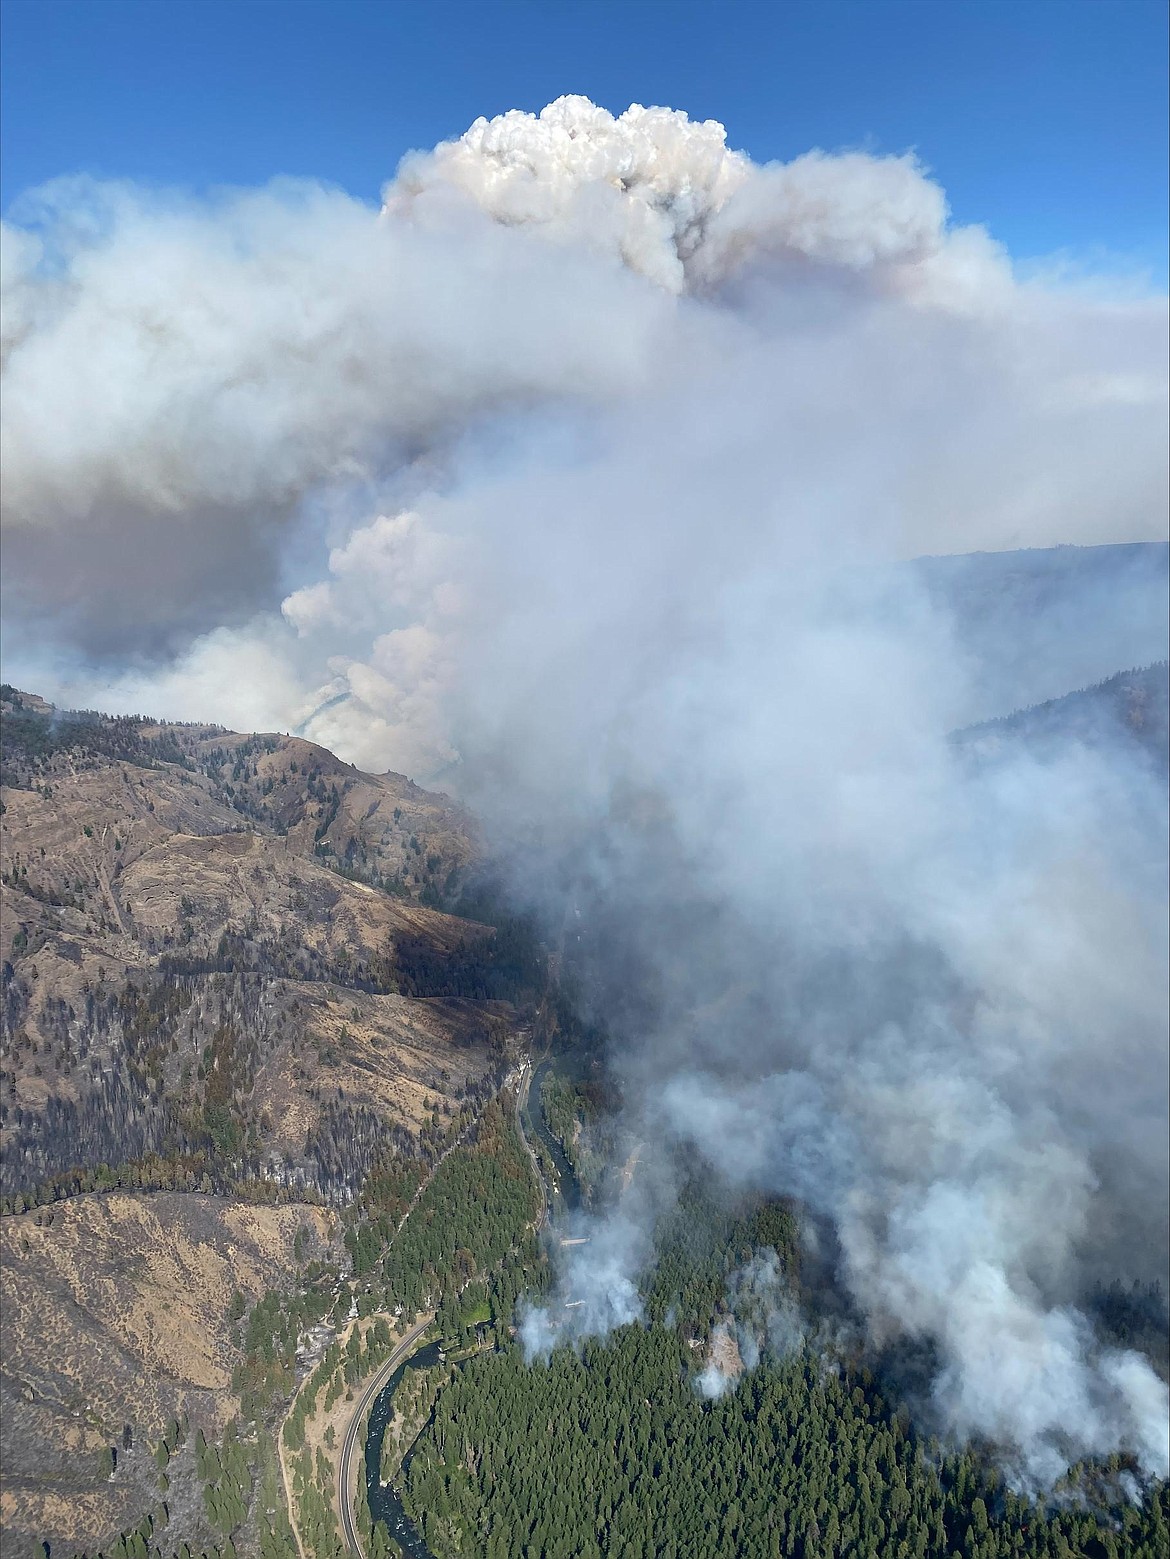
column 596, row 1288
column 763, row 1319
column 579, row 475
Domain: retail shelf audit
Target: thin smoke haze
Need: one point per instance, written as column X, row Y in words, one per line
column 578, row 476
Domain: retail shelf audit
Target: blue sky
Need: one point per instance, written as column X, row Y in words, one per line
column 1044, row 119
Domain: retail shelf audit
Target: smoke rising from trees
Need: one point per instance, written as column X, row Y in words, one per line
column 578, row 476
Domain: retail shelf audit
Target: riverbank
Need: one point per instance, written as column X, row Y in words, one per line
column 351, row 1467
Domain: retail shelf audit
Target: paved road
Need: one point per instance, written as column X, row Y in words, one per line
column 363, row 1404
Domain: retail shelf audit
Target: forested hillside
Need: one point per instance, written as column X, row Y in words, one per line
column 1034, row 622
column 1127, row 714
column 616, row 1452
column 615, row 1449
column 227, row 984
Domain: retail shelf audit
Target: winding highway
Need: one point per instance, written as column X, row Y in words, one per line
column 345, row 1482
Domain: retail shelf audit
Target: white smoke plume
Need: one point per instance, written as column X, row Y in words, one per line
column 764, row 1319
column 575, row 476
column 596, row 1288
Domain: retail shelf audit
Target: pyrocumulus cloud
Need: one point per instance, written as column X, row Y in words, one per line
column 576, row 475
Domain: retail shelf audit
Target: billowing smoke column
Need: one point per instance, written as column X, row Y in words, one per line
column 577, row 475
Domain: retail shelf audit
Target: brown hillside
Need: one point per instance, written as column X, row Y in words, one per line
column 227, row 993
column 115, row 1313
column 203, row 937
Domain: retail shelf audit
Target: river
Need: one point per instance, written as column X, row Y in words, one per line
column 385, row 1504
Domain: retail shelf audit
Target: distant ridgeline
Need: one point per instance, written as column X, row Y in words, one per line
column 1034, row 623
column 1128, row 713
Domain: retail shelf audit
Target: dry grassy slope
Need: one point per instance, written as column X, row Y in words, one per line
column 115, row 1314
column 102, row 813
column 385, row 822
column 112, row 868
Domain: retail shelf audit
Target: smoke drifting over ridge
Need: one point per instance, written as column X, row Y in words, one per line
column 575, row 474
